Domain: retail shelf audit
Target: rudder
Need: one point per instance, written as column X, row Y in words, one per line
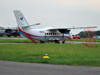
column 21, row 21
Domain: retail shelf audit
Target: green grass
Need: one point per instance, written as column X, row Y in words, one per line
column 15, row 41
column 64, row 54
column 29, row 41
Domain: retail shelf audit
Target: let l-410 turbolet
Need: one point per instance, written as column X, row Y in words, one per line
column 42, row 34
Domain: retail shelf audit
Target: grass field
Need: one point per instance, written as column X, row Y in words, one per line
column 64, row 54
column 15, row 41
column 27, row 40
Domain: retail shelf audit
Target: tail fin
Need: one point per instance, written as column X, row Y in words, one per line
column 21, row 21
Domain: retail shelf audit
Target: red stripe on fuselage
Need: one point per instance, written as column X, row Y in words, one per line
column 28, row 33
column 40, row 36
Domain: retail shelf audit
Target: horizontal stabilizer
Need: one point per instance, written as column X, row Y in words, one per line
column 32, row 25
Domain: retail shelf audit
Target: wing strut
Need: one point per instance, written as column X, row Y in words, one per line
column 31, row 38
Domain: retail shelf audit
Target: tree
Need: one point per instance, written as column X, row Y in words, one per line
column 81, row 34
column 97, row 33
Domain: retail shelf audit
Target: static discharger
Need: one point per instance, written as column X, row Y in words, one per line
column 46, row 56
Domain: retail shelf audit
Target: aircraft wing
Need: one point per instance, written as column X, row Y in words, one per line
column 68, row 28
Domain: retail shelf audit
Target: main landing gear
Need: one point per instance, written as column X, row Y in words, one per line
column 63, row 42
column 57, row 41
column 42, row 42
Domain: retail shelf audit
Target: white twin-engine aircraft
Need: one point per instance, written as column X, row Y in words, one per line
column 42, row 34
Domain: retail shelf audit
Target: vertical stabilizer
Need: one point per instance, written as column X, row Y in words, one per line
column 21, row 21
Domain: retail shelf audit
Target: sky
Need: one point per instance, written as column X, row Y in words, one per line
column 53, row 13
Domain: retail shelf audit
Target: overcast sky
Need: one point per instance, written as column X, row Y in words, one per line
column 53, row 13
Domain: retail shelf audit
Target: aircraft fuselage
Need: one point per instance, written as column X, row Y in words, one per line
column 44, row 35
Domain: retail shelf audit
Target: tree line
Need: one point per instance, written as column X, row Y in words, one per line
column 97, row 33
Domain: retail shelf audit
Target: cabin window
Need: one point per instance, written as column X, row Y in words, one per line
column 52, row 33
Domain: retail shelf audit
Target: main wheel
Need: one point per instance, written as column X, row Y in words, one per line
column 63, row 42
column 42, row 42
column 57, row 41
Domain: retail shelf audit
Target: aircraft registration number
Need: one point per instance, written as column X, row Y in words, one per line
column 41, row 31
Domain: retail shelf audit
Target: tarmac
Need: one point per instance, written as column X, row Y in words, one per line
column 21, row 68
